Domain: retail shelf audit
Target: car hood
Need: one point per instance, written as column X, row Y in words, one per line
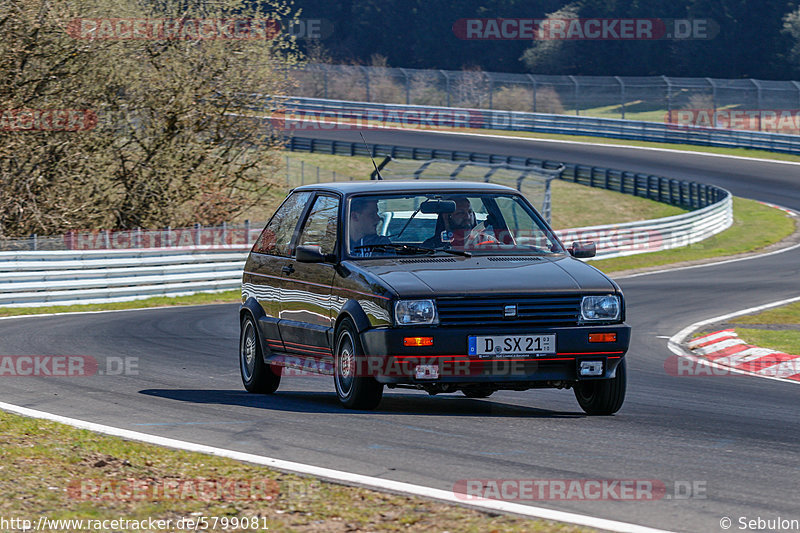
column 490, row 275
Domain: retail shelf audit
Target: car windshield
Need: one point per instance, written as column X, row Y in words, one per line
column 439, row 223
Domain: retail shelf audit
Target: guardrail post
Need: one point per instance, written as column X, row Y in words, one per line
column 247, row 231
column 224, row 232
column 169, row 236
column 34, row 244
column 197, row 234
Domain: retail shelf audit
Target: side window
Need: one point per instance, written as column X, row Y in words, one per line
column 322, row 224
column 277, row 235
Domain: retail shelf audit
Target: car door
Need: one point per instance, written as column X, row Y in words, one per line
column 305, row 315
column 270, row 255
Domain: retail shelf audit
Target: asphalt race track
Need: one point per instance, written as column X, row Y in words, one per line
column 737, row 438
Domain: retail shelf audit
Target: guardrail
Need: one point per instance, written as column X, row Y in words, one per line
column 303, row 113
column 687, row 194
column 68, row 277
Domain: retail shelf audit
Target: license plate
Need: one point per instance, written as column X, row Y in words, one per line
column 511, row 345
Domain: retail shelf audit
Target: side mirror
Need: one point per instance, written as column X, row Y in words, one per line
column 312, row 254
column 582, row 250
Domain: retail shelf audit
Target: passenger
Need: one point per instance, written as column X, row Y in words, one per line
column 452, row 229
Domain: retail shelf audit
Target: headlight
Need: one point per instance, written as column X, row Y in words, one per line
column 414, row 312
column 600, row 308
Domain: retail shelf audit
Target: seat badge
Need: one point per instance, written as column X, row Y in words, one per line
column 510, row 311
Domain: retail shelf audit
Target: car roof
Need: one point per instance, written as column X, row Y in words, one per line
column 388, row 186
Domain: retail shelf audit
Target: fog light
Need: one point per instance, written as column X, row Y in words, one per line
column 591, row 368
column 426, row 371
column 602, row 337
column 417, row 341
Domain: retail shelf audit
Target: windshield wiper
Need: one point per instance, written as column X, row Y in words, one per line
column 409, row 249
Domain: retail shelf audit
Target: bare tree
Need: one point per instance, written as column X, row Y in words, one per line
column 171, row 143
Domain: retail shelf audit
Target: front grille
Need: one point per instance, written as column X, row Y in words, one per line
column 544, row 311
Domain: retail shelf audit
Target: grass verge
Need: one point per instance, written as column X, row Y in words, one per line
column 773, row 225
column 783, row 333
column 786, row 341
column 60, row 472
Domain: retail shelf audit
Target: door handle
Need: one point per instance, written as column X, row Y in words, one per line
column 287, row 269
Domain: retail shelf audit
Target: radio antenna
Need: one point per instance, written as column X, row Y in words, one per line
column 370, row 156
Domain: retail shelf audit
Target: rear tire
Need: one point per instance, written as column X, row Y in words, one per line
column 603, row 396
column 257, row 376
column 354, row 390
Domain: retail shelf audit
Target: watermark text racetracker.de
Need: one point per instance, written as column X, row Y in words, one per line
column 52, row 120
column 67, row 366
column 129, row 489
column 640, row 490
column 202, row 29
column 584, row 29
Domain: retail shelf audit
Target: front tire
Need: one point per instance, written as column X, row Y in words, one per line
column 257, row 376
column 603, row 396
column 354, row 389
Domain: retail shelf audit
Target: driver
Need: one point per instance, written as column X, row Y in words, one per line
column 364, row 219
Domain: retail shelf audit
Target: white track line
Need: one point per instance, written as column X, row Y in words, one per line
column 341, row 476
column 675, row 343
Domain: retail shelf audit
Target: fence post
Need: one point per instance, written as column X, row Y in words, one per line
column 533, row 82
column 247, row 231
column 302, row 172
column 287, row 170
column 577, row 107
column 107, row 238
column 447, row 85
column 169, row 236
column 713, row 101
column 224, row 232
column 669, row 97
column 325, row 82
column 408, row 86
column 34, row 244
column 366, row 80
column 621, row 95
column 197, row 234
column 758, row 104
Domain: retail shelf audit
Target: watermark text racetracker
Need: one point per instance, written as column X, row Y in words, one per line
column 126, row 490
column 642, row 490
column 584, row 29
column 67, row 366
column 203, row 29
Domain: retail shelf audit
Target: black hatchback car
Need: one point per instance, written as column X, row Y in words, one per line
column 439, row 286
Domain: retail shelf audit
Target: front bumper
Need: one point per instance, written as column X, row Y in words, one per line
column 392, row 363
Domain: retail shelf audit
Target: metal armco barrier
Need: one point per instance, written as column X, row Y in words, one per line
column 688, row 194
column 307, row 114
column 35, row 279
column 68, row 277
